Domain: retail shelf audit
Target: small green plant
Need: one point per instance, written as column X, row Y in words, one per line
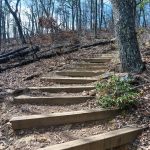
column 116, row 92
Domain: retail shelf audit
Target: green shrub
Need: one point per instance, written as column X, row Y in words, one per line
column 116, row 92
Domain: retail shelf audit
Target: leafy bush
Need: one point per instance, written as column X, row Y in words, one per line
column 116, row 92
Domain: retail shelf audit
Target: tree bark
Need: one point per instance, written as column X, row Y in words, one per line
column 95, row 20
column 91, row 16
column 0, row 24
column 101, row 14
column 73, row 15
column 124, row 18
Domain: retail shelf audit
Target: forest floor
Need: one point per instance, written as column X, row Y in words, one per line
column 33, row 139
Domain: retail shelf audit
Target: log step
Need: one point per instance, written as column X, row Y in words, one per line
column 105, row 141
column 79, row 73
column 92, row 68
column 58, row 100
column 68, row 89
column 102, row 66
column 69, row 80
column 108, row 55
column 96, row 60
column 44, row 120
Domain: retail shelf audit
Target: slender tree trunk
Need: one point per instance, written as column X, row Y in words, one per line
column 101, row 15
column 0, row 24
column 95, row 20
column 144, row 18
column 8, row 28
column 80, row 15
column 3, row 27
column 77, row 16
column 14, row 13
column 73, row 15
column 91, row 16
column 32, row 20
column 125, row 31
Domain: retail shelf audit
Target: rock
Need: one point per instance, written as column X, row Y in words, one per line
column 9, row 91
column 2, row 147
column 147, row 44
column 124, row 76
column 92, row 93
column 106, row 75
column 41, row 139
column 0, row 134
column 85, row 93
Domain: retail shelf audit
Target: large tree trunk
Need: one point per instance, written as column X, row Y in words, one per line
column 124, row 17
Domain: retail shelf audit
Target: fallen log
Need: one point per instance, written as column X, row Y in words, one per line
column 40, row 55
column 49, row 54
column 57, row 52
column 13, row 52
column 22, row 63
column 103, row 42
column 21, row 53
column 30, row 77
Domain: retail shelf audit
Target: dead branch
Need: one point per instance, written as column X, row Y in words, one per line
column 103, row 42
column 18, row 53
column 52, row 52
column 13, row 52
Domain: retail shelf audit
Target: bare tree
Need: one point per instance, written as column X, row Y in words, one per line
column 0, row 23
column 17, row 20
column 95, row 19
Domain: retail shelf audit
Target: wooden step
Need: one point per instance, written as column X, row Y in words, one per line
column 92, row 65
column 108, row 55
column 58, row 100
column 43, row 120
column 72, row 73
column 89, row 68
column 68, row 89
column 96, row 60
column 105, row 141
column 69, row 80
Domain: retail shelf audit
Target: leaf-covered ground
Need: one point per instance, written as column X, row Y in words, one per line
column 36, row 138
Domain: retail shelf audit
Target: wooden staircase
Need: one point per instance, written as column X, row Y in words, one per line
column 81, row 77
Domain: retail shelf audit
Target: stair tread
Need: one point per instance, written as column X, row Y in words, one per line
column 103, row 141
column 74, row 78
column 58, row 114
column 32, row 121
column 26, row 96
column 61, row 87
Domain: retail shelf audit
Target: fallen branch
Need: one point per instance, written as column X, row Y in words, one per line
column 99, row 43
column 41, row 55
column 20, row 53
column 30, row 77
column 13, row 52
column 52, row 52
